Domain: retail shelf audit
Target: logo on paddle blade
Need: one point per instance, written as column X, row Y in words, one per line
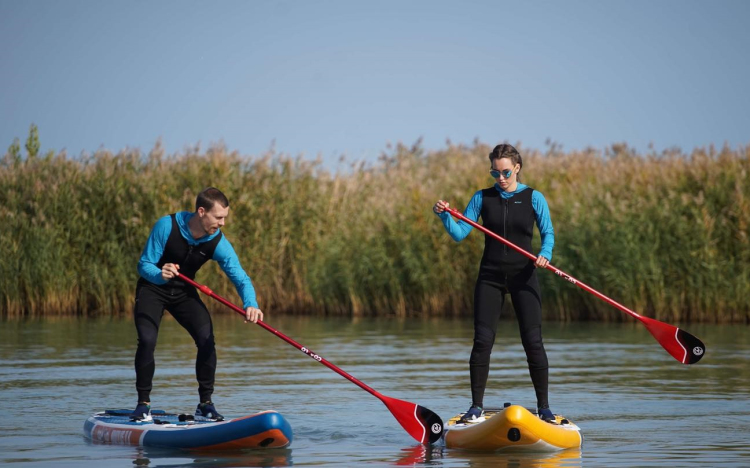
column 698, row 351
column 437, row 428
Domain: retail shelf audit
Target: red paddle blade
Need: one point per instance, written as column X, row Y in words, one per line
column 422, row 424
column 680, row 344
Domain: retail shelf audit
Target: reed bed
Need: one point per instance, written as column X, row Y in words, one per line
column 664, row 233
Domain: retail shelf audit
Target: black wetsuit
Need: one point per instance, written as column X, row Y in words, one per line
column 183, row 302
column 504, row 271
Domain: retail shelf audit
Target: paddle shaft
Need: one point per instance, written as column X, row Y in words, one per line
column 421, row 423
column 549, row 266
column 207, row 291
column 683, row 346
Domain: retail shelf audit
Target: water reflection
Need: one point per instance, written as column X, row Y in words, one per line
column 163, row 458
column 426, row 456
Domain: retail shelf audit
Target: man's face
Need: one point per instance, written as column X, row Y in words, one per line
column 214, row 219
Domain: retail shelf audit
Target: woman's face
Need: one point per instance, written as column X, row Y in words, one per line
column 504, row 172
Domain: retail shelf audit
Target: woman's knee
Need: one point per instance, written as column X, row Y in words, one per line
column 484, row 335
column 532, row 339
column 484, row 339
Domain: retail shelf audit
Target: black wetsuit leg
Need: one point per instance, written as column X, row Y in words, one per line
column 187, row 308
column 527, row 302
column 193, row 315
column 147, row 313
column 489, row 296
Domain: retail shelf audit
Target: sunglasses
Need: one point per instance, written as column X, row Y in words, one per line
column 506, row 173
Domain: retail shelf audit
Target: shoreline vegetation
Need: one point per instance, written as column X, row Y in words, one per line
column 665, row 234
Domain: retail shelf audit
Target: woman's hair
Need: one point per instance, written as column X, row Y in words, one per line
column 507, row 151
column 210, row 196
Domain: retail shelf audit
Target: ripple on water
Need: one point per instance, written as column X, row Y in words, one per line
column 635, row 404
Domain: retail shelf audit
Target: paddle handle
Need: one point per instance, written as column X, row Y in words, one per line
column 317, row 357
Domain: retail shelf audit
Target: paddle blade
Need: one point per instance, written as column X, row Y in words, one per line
column 422, row 424
column 680, row 344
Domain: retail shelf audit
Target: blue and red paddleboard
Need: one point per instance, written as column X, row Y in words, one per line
column 268, row 429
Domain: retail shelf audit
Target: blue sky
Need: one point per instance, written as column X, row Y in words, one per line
column 345, row 77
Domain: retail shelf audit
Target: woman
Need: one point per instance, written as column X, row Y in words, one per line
column 509, row 208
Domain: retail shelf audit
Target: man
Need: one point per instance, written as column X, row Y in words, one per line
column 183, row 242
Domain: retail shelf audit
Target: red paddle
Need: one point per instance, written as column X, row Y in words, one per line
column 680, row 344
column 421, row 423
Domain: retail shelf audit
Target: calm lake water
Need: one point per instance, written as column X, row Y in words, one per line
column 636, row 405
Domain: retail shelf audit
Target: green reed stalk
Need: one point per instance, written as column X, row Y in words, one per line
column 666, row 234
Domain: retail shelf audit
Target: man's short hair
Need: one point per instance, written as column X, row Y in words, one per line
column 210, row 196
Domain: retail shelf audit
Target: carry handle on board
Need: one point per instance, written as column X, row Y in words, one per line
column 421, row 423
column 680, row 344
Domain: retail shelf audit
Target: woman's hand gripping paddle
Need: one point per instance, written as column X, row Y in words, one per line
column 421, row 423
column 680, row 344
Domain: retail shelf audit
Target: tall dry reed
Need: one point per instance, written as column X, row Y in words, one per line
column 663, row 233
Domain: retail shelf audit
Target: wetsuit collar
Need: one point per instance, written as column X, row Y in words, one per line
column 519, row 188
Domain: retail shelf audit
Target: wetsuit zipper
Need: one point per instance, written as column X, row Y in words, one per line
column 190, row 251
column 505, row 228
column 175, row 290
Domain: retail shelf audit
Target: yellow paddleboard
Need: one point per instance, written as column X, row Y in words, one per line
column 512, row 428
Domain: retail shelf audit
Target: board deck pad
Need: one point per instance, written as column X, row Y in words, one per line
column 490, row 412
column 123, row 416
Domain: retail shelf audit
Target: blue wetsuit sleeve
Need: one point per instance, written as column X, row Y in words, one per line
column 459, row 230
column 544, row 223
column 227, row 259
column 154, row 249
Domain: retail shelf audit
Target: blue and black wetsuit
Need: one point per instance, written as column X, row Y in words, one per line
column 504, row 271
column 171, row 242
